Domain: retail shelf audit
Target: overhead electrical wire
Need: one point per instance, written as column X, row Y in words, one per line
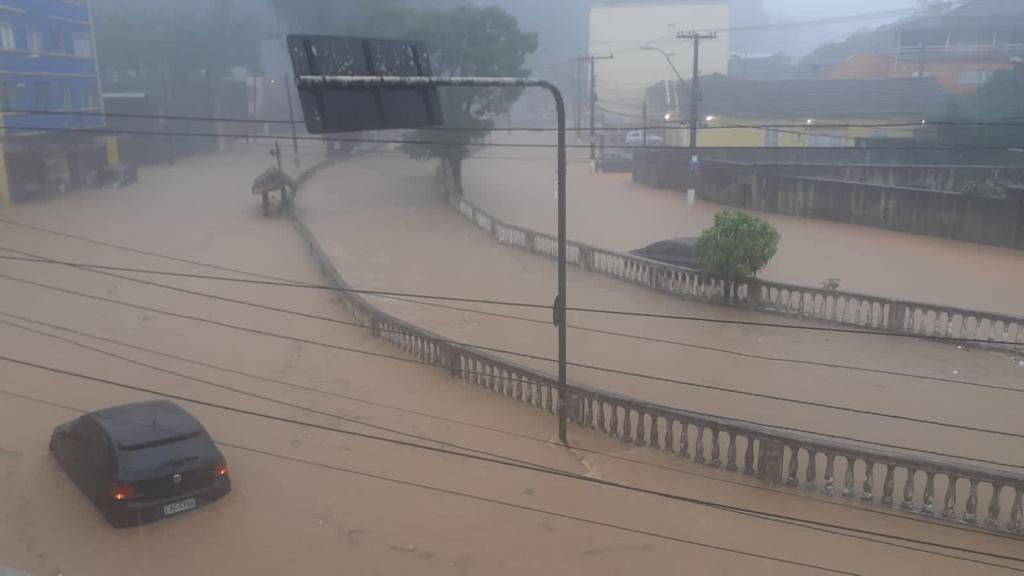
column 1009, row 122
column 423, row 142
column 418, row 362
column 766, row 516
column 604, row 369
column 502, row 503
column 576, row 448
column 515, row 304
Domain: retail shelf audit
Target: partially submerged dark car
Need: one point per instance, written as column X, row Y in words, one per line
column 616, row 160
column 677, row 252
column 141, row 462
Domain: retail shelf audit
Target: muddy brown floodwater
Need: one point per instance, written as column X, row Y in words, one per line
column 611, row 211
column 303, row 502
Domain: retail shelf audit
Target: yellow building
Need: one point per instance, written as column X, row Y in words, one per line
column 801, row 112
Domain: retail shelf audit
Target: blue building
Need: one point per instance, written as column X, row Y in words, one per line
column 48, row 64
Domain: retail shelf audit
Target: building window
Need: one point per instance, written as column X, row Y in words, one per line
column 6, row 36
column 64, row 99
column 8, row 96
column 771, row 138
column 974, row 77
column 41, row 96
column 34, row 39
column 83, row 45
column 57, row 40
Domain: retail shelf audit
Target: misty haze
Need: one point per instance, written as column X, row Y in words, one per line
column 512, row 287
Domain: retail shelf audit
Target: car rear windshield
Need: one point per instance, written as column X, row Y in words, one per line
column 128, row 447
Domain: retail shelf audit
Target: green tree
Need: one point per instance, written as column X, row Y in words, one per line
column 737, row 246
column 463, row 41
column 998, row 100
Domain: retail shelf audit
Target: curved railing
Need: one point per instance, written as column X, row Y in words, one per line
column 821, row 304
column 908, row 480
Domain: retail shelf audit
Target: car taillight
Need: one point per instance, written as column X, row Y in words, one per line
column 221, row 469
column 122, row 491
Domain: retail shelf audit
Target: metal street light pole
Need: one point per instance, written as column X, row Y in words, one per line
column 433, row 82
column 291, row 118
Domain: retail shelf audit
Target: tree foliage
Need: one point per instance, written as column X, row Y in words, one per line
column 464, row 41
column 737, row 246
column 998, row 100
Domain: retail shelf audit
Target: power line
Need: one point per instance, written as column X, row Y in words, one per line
column 604, row 369
column 485, row 499
column 580, row 365
column 516, row 304
column 292, row 385
column 771, row 26
column 1009, row 122
column 767, row 516
column 715, row 348
column 262, row 397
column 421, row 142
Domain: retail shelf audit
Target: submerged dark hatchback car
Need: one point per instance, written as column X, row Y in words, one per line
column 141, row 462
column 677, row 252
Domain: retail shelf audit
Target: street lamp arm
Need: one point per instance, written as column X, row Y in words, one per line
column 668, row 58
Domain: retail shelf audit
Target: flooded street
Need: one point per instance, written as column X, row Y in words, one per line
column 611, row 211
column 424, row 246
column 312, row 501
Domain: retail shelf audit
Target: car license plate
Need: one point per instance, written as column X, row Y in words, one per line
column 175, row 507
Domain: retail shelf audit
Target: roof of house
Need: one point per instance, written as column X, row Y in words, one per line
column 973, row 13
column 824, row 98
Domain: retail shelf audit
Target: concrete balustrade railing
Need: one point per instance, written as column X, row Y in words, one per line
column 909, row 481
column 821, row 304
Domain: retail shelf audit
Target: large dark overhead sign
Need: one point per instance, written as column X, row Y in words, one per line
column 332, row 108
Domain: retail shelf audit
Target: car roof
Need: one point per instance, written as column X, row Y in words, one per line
column 145, row 422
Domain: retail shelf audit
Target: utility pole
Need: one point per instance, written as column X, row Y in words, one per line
column 645, row 121
column 291, row 119
column 593, row 96
column 695, row 93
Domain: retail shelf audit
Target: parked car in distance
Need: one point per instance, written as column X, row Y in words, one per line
column 615, row 160
column 636, row 138
column 677, row 252
column 141, row 462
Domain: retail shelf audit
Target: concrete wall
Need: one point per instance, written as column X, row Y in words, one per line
column 911, row 198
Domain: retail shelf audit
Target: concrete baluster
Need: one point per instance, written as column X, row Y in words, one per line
column 993, row 507
column 655, row 439
column 971, row 506
column 869, row 481
column 548, row 398
column 748, row 457
column 928, row 498
column 1016, row 510
column 829, row 478
column 908, row 490
column 698, row 445
column 811, row 477
column 615, row 420
column 640, row 439
column 684, row 439
column 715, row 450
column 949, row 507
column 669, row 443
column 887, row 484
column 730, row 455
column 794, row 465
column 848, row 479
column 600, row 417
column 627, row 424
